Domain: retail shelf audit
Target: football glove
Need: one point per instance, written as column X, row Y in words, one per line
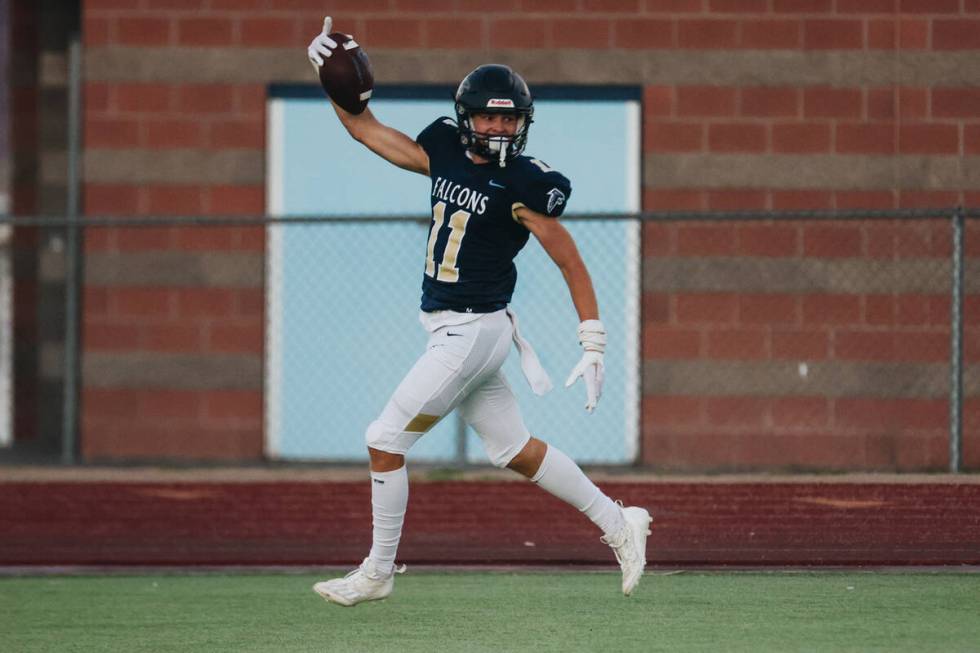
column 322, row 46
column 592, row 337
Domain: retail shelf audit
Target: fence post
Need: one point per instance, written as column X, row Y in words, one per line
column 956, row 346
column 71, row 354
column 460, row 441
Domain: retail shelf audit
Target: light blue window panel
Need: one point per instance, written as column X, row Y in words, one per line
column 343, row 296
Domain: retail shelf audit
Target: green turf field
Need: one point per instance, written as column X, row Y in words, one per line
column 497, row 611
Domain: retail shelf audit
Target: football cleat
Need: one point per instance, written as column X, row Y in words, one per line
column 365, row 583
column 630, row 546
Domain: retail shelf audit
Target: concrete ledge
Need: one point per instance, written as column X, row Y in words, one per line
column 803, row 275
column 788, row 379
column 329, row 474
column 231, row 65
column 811, row 171
column 172, row 371
column 237, row 167
column 174, row 268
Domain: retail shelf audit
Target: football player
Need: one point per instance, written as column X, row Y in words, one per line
column 487, row 199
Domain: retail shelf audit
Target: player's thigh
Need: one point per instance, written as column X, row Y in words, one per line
column 492, row 411
column 456, row 359
column 432, row 385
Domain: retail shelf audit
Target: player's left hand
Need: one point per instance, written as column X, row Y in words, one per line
column 592, row 337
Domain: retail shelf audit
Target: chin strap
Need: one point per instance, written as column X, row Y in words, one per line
column 502, row 145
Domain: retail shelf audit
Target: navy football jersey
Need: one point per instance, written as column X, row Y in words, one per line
column 473, row 235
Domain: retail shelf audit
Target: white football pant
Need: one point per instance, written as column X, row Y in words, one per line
column 460, row 368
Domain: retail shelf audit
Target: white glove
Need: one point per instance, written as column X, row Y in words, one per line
column 321, row 46
column 592, row 337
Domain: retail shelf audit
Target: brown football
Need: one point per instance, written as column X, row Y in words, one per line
column 346, row 75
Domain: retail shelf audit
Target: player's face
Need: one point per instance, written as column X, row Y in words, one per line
column 494, row 131
column 494, row 124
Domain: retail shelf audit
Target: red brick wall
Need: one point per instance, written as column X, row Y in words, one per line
column 847, row 328
column 761, row 119
column 810, row 121
column 150, row 422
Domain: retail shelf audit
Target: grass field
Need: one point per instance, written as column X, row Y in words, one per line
column 497, row 611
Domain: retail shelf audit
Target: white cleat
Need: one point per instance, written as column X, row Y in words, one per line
column 630, row 546
column 363, row 584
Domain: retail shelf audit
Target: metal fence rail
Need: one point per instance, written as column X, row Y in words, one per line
column 679, row 287
column 644, row 216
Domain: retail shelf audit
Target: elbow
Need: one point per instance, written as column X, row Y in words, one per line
column 353, row 128
column 354, row 125
column 357, row 130
column 573, row 267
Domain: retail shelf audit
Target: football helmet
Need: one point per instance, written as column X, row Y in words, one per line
column 494, row 88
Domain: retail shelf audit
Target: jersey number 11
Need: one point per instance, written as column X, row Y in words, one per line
column 447, row 270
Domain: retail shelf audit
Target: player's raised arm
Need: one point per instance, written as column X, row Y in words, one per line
column 388, row 143
column 344, row 72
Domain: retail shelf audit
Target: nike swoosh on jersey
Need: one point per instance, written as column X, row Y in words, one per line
column 496, row 185
column 448, row 333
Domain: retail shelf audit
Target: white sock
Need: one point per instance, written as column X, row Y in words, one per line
column 389, row 500
column 560, row 476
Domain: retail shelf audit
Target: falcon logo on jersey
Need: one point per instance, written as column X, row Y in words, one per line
column 555, row 199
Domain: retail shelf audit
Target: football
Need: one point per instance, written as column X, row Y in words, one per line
column 346, row 75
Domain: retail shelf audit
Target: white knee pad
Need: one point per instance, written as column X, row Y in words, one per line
column 500, row 456
column 376, row 434
column 503, row 435
column 493, row 413
column 384, row 437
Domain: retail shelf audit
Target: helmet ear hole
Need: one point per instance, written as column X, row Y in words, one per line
column 463, row 125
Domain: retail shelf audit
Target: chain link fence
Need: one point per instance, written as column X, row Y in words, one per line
column 344, row 330
column 738, row 341
column 801, row 343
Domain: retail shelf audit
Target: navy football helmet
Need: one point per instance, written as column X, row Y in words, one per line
column 494, row 88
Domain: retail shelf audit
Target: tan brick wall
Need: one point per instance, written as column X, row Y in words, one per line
column 748, row 104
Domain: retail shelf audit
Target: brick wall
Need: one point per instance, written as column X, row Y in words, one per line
column 778, row 104
column 836, row 334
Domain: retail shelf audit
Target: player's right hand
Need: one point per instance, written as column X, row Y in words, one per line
column 321, row 46
column 592, row 337
column 592, row 371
